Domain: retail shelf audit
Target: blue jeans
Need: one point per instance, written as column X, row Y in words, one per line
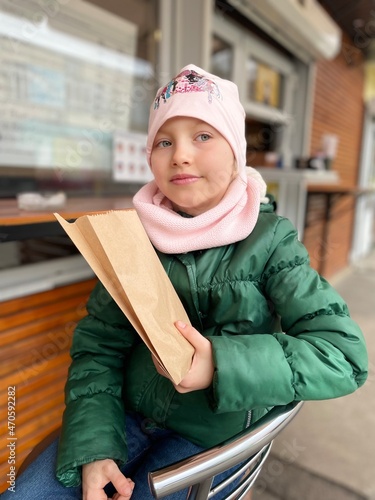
column 149, row 449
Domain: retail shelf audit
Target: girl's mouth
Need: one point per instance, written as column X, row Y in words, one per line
column 181, row 179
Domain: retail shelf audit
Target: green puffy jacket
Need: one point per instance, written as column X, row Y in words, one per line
column 279, row 333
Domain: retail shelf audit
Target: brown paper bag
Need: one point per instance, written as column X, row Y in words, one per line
column 118, row 250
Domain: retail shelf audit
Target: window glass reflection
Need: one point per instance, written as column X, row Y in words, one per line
column 264, row 84
column 221, row 58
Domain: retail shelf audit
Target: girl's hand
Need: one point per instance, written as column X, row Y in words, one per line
column 202, row 367
column 96, row 475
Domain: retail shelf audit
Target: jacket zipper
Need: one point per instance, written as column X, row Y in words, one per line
column 248, row 419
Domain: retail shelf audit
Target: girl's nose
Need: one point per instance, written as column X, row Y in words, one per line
column 181, row 155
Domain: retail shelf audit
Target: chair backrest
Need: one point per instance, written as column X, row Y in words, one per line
column 248, row 450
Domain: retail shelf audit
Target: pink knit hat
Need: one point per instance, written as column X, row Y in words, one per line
column 198, row 94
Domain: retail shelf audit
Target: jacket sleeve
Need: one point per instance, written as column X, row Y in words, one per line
column 320, row 354
column 94, row 419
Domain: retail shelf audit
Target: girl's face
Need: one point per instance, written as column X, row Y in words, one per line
column 192, row 163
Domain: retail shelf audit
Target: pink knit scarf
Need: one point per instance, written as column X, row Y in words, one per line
column 233, row 219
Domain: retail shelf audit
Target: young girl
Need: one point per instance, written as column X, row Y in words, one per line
column 266, row 329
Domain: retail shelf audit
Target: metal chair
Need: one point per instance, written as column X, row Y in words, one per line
column 248, row 449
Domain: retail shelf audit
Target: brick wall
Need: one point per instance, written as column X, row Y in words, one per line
column 338, row 109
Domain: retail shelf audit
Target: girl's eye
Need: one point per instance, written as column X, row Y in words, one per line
column 204, row 137
column 163, row 144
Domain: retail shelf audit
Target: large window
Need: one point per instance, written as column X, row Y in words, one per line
column 76, row 82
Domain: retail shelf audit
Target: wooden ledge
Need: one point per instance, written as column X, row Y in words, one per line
column 11, row 215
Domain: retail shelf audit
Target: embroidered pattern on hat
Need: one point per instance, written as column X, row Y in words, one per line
column 187, row 81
